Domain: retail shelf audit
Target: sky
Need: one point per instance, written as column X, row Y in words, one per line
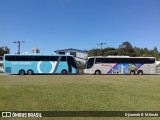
column 80, row 24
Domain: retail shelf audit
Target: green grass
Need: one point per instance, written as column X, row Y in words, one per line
column 80, row 93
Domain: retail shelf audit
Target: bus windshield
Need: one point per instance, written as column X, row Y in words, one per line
column 90, row 62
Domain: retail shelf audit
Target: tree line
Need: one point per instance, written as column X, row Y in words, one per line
column 126, row 49
column 2, row 52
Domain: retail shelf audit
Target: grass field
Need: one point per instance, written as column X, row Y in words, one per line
column 80, row 93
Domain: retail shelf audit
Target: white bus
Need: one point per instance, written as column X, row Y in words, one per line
column 120, row 65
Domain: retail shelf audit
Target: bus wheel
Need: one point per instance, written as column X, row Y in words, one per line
column 140, row 72
column 21, row 72
column 132, row 72
column 30, row 72
column 97, row 72
column 64, row 72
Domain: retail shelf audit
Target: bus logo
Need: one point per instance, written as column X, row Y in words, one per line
column 53, row 64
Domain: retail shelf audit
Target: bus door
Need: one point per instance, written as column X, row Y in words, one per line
column 69, row 67
column 71, row 64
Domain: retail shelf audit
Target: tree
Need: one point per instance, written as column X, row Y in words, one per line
column 2, row 52
column 126, row 49
column 146, row 53
column 94, row 52
column 155, row 52
column 104, row 52
column 138, row 51
column 125, row 45
column 109, row 51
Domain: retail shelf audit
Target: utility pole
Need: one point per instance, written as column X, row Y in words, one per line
column 19, row 45
column 101, row 44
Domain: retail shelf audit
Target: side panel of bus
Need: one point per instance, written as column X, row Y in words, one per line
column 112, row 68
column 127, row 65
column 122, row 68
column 44, row 67
column 148, row 68
column 38, row 67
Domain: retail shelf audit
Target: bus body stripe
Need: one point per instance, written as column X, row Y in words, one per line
column 57, row 65
column 140, row 67
column 112, row 68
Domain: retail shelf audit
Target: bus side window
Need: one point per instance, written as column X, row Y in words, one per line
column 55, row 58
column 63, row 58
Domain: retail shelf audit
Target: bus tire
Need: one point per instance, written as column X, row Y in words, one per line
column 97, row 72
column 140, row 72
column 64, row 72
column 132, row 72
column 30, row 72
column 21, row 72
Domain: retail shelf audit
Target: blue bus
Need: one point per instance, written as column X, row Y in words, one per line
column 39, row 64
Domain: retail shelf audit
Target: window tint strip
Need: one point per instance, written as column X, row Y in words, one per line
column 31, row 58
column 125, row 60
